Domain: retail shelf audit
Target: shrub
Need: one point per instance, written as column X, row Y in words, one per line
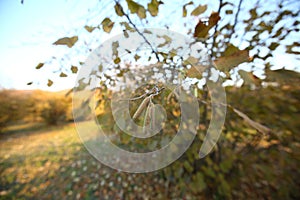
column 56, row 109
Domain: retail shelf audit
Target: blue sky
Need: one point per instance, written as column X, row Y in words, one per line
column 28, row 30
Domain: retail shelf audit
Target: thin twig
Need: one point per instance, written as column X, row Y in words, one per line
column 236, row 19
column 140, row 33
column 216, row 28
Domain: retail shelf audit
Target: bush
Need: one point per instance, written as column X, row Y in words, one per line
column 11, row 109
column 56, row 109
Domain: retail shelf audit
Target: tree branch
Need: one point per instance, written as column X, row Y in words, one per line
column 140, row 33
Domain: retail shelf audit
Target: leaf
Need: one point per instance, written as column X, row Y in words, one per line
column 127, row 26
column 29, row 83
column 198, row 184
column 126, row 35
column 119, row 10
column 273, row 46
column 168, row 40
column 141, row 12
column 117, row 60
column 201, row 29
column 283, row 76
column 249, row 78
column 142, row 106
column 132, row 6
column 115, row 46
column 193, row 73
column 184, row 11
column 107, row 25
column 259, row 127
column 199, row 10
column 62, row 74
column 228, row 12
column 136, row 57
column 39, row 66
column 136, row 8
column 232, row 57
column 89, row 28
column 69, row 41
column 153, row 7
column 49, row 83
column 74, row 69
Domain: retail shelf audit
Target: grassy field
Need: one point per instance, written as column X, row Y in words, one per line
column 39, row 162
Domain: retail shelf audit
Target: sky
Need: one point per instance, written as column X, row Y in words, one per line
column 28, row 30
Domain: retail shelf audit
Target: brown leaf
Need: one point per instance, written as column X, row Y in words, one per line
column 49, row 83
column 74, row 69
column 39, row 66
column 232, row 57
column 201, row 29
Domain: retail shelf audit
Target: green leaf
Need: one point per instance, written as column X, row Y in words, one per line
column 49, row 83
column 74, row 69
column 62, row 74
column 199, row 10
column 188, row 166
column 119, row 10
column 198, row 184
column 39, row 66
column 89, row 28
column 184, row 11
column 69, row 41
column 153, row 7
column 107, row 25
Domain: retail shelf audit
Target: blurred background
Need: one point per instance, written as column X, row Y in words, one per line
column 254, row 46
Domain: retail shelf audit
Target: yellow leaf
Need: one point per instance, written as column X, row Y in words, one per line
column 107, row 25
column 89, row 28
column 69, row 41
column 153, row 7
column 199, row 10
column 63, row 74
column 119, row 10
column 184, row 11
